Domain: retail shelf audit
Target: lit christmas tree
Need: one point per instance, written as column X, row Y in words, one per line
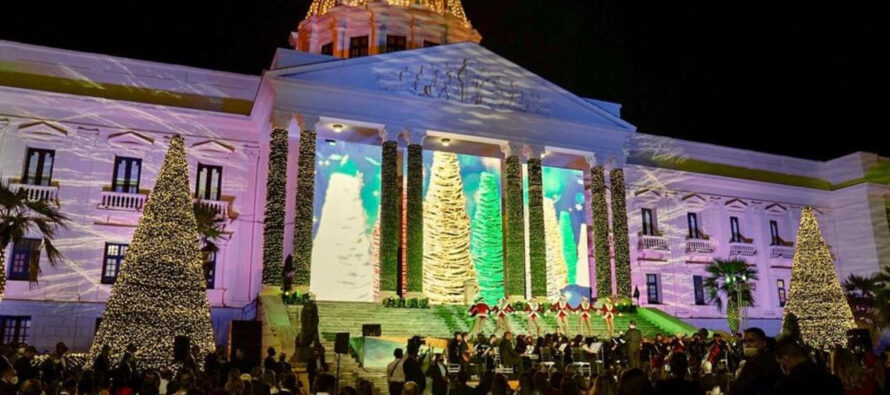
column 160, row 291
column 447, row 264
column 816, row 297
column 569, row 249
column 487, row 241
column 342, row 246
column 375, row 257
column 556, row 262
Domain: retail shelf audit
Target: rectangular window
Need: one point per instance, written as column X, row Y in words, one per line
column 652, row 288
column 358, row 46
column 20, row 260
column 734, row 228
column 396, row 43
column 780, row 284
column 126, row 175
column 327, row 49
column 111, row 266
column 209, row 182
column 429, row 44
column 210, row 268
column 38, row 167
column 14, row 329
column 699, row 290
column 774, row 233
column 648, row 222
column 692, row 222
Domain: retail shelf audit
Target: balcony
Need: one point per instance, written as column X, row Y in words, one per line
column 38, row 192
column 220, row 206
column 122, row 201
column 742, row 249
column 651, row 242
column 781, row 252
column 699, row 246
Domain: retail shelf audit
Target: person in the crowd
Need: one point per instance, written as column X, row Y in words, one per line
column 761, row 370
column 269, row 363
column 854, row 376
column 604, row 384
column 677, row 384
column 315, row 366
column 634, row 382
column 364, row 387
column 801, row 375
column 24, row 365
column 438, row 372
column 324, row 384
column 500, row 385
column 460, row 384
column 283, row 365
column 413, row 370
column 395, row 373
column 8, row 379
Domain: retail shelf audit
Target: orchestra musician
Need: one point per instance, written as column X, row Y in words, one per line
column 534, row 311
column 480, row 311
column 562, row 310
column 583, row 310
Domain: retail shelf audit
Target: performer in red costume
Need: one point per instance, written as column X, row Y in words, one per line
column 480, row 311
column 608, row 312
column 502, row 309
column 534, row 310
column 583, row 310
column 562, row 310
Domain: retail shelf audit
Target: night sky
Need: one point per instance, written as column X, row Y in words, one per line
column 769, row 76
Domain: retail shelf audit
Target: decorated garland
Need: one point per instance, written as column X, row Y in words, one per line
column 303, row 210
column 273, row 228
column 619, row 227
column 414, row 237
column 514, row 264
column 537, row 247
column 600, row 232
column 389, row 218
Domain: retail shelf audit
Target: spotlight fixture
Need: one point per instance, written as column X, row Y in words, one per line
column 337, row 127
column 446, row 141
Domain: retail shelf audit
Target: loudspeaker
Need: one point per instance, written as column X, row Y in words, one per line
column 248, row 336
column 341, row 346
column 371, row 330
column 181, row 348
column 859, row 340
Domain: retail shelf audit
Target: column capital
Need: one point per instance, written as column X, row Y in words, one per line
column 591, row 160
column 308, row 122
column 413, row 136
column 390, row 133
column 615, row 162
column 281, row 119
column 533, row 152
column 510, row 149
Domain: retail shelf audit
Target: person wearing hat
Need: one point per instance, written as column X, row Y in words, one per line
column 479, row 310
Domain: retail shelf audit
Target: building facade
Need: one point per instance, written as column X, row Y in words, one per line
column 89, row 132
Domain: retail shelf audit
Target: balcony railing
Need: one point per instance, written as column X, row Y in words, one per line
column 650, row 242
column 744, row 249
column 782, row 252
column 699, row 246
column 122, row 201
column 37, row 192
column 220, row 206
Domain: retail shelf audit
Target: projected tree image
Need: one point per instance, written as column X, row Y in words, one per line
column 447, row 262
column 557, row 273
column 569, row 248
column 487, row 240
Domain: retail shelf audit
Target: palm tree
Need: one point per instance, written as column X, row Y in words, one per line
column 867, row 298
column 210, row 231
column 730, row 279
column 20, row 216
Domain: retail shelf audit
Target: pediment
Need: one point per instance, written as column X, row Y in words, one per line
column 211, row 149
column 130, row 140
column 648, row 196
column 456, row 78
column 42, row 131
column 736, row 205
column 694, row 200
column 776, row 209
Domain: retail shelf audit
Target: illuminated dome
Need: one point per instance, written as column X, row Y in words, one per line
column 353, row 28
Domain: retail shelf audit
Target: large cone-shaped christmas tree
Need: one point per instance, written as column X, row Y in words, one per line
column 447, row 264
column 816, row 297
column 557, row 273
column 342, row 246
column 160, row 292
column 488, row 240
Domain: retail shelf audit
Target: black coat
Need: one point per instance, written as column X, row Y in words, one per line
column 808, row 378
column 758, row 376
column 440, row 381
column 413, row 372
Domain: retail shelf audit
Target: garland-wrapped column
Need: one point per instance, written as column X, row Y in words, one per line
column 514, row 229
column 304, row 204
column 619, row 229
column 414, row 212
column 537, row 248
column 276, row 182
column 389, row 213
column 601, row 232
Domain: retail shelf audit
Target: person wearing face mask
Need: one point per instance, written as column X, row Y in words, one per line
column 801, row 375
column 761, row 371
